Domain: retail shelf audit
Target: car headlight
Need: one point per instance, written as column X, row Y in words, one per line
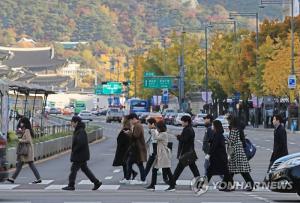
column 290, row 163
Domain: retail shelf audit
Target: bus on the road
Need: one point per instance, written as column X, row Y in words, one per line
column 136, row 105
column 79, row 106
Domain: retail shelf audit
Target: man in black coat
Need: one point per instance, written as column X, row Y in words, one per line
column 207, row 139
column 186, row 144
column 280, row 148
column 80, row 155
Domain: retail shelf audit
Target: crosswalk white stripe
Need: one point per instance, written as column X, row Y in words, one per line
column 161, row 187
column 183, row 182
column 109, row 187
column 82, row 202
column 15, row 202
column 8, row 186
column 150, row 202
column 108, row 178
column 117, row 171
column 55, row 187
column 85, row 182
column 44, row 182
column 221, row 202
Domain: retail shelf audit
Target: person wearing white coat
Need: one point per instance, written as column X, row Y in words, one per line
column 163, row 157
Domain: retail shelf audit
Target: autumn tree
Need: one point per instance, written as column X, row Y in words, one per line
column 278, row 68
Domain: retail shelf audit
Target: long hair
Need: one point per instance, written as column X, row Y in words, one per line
column 234, row 123
column 161, row 126
column 218, row 127
column 27, row 125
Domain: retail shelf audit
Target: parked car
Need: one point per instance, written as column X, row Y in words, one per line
column 284, row 174
column 156, row 116
column 96, row 112
column 144, row 116
column 170, row 117
column 55, row 111
column 86, row 115
column 167, row 111
column 114, row 114
column 177, row 121
column 103, row 112
column 3, row 161
column 225, row 124
column 198, row 120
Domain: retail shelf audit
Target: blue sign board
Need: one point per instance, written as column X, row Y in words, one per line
column 165, row 96
column 292, row 81
column 236, row 97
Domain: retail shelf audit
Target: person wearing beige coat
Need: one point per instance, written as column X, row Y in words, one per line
column 163, row 157
column 26, row 138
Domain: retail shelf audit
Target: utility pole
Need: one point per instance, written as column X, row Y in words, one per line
column 257, row 73
column 135, row 74
column 181, row 72
column 206, row 65
column 292, row 43
column 165, row 56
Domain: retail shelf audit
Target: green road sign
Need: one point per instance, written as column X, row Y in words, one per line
column 158, row 82
column 149, row 74
column 109, row 88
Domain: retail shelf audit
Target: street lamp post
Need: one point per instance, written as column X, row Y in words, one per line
column 255, row 14
column 206, row 65
column 181, row 72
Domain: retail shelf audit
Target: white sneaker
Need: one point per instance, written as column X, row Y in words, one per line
column 124, row 181
column 134, row 182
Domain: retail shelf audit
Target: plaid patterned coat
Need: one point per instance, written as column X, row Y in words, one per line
column 238, row 162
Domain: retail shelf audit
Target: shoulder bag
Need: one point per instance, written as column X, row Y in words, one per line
column 188, row 157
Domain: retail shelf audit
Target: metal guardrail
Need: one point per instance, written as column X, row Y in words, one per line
column 51, row 130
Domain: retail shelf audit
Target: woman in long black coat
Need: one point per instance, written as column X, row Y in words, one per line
column 123, row 144
column 218, row 162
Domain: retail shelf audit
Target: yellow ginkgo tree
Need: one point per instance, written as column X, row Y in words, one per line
column 278, row 68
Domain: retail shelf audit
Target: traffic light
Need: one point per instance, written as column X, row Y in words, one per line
column 126, row 83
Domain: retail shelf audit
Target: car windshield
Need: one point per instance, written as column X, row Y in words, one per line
column 139, row 103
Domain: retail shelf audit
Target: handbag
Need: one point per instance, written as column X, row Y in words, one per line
column 23, row 149
column 250, row 149
column 188, row 157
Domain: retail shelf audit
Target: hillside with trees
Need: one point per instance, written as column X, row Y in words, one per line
column 113, row 22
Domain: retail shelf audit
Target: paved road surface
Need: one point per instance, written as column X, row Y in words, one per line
column 55, row 174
